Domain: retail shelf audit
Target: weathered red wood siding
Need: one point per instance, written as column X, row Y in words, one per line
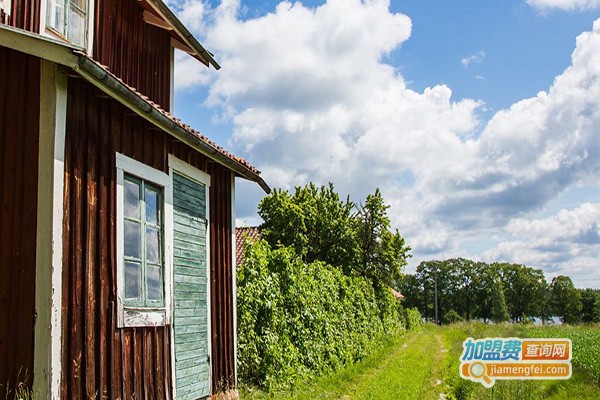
column 221, row 283
column 98, row 358
column 19, row 135
column 138, row 53
column 25, row 14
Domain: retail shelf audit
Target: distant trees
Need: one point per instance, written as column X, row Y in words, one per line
column 565, row 299
column 463, row 289
column 524, row 291
column 590, row 305
column 457, row 286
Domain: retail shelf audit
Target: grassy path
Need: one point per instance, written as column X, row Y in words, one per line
column 411, row 367
column 424, row 365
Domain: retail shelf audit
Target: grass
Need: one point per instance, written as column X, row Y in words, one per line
column 424, row 365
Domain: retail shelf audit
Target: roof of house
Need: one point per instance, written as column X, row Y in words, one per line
column 243, row 234
column 157, row 13
column 99, row 75
column 397, row 294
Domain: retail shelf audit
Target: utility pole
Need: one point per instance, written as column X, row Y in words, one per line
column 435, row 295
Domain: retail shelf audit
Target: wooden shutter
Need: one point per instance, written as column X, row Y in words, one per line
column 190, row 284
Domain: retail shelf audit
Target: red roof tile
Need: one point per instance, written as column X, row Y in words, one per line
column 177, row 121
column 243, row 234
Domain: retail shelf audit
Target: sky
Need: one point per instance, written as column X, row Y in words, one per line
column 479, row 121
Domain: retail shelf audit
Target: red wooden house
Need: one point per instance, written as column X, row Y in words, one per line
column 117, row 236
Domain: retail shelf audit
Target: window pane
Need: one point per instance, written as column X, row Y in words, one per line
column 153, row 283
column 152, row 203
column 132, row 199
column 76, row 27
column 152, row 246
column 56, row 14
column 132, row 239
column 133, row 278
column 82, row 4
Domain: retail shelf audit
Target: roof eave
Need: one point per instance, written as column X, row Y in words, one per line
column 99, row 77
column 201, row 53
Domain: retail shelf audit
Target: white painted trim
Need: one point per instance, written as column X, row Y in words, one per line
column 141, row 317
column 172, row 80
column 91, row 19
column 132, row 316
column 234, row 279
column 49, row 239
column 6, row 5
column 193, row 173
column 43, row 11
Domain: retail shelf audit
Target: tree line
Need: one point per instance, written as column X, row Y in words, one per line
column 461, row 289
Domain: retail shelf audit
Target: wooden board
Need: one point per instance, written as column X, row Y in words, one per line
column 190, row 322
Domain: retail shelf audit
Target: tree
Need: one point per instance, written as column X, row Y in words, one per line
column 321, row 227
column 489, row 296
column 524, row 290
column 590, row 305
column 565, row 299
column 314, row 221
column 382, row 254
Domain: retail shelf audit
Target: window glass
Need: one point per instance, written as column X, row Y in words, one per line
column 133, row 278
column 132, row 199
column 69, row 18
column 154, row 283
column 132, row 239
column 81, row 4
column 76, row 26
column 56, row 14
column 152, row 246
column 142, row 242
column 152, row 203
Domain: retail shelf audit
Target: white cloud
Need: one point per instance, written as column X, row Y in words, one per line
column 476, row 58
column 310, row 99
column 567, row 243
column 189, row 72
column 531, row 152
column 568, row 5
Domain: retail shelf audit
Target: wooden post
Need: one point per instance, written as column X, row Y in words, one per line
column 49, row 248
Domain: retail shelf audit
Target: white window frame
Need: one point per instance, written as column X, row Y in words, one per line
column 6, row 5
column 48, row 30
column 143, row 316
column 183, row 168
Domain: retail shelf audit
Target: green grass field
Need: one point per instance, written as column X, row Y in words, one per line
column 424, row 365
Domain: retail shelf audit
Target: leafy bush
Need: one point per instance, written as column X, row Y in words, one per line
column 296, row 319
column 413, row 319
column 451, row 317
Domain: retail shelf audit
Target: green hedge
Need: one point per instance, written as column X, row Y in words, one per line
column 296, row 320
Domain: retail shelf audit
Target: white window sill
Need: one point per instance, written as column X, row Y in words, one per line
column 135, row 317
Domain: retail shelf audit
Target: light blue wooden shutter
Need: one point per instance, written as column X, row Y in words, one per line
column 190, row 282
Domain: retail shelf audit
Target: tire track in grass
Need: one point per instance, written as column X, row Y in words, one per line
column 410, row 371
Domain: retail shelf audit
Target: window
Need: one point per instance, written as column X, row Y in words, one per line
column 5, row 5
column 143, row 243
column 69, row 19
column 144, row 237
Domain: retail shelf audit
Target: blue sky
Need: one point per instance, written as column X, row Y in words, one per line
column 479, row 121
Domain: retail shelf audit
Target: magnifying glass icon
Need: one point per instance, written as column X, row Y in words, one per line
column 478, row 370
